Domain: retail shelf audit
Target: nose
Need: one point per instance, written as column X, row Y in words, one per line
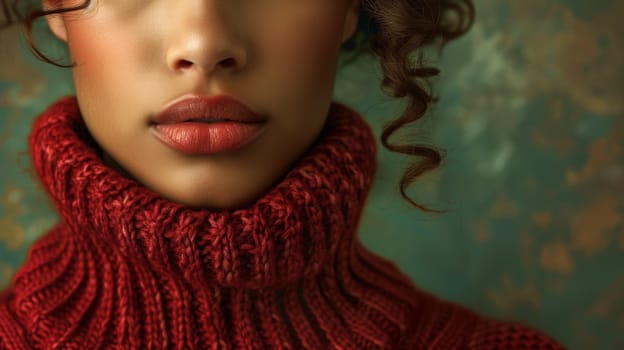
column 204, row 37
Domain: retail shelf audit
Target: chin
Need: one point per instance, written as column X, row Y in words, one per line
column 211, row 200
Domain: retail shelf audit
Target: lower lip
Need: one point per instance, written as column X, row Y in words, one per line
column 208, row 138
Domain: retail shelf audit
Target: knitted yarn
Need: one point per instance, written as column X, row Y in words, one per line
column 127, row 269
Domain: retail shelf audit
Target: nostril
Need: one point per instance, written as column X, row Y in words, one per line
column 225, row 63
column 182, row 64
column 228, row 62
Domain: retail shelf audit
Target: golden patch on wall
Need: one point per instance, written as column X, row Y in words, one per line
column 543, row 219
column 585, row 55
column 592, row 227
column 11, row 233
column 6, row 273
column 610, row 302
column 556, row 257
column 503, row 207
column 11, row 50
column 481, row 230
column 511, row 295
column 603, row 154
column 591, row 60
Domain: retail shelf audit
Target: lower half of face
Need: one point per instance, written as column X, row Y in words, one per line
column 284, row 69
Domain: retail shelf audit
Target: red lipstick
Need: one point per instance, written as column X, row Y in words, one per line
column 207, row 125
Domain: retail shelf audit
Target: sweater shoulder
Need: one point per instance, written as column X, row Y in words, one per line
column 448, row 325
column 494, row 334
column 12, row 335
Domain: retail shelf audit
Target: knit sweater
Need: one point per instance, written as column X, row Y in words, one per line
column 128, row 269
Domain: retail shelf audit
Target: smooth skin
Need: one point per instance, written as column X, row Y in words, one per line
column 135, row 56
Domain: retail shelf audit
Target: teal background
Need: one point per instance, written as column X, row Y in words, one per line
column 531, row 116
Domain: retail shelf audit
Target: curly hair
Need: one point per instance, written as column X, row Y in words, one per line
column 396, row 31
column 403, row 28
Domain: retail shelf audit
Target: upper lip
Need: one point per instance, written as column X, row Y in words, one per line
column 194, row 107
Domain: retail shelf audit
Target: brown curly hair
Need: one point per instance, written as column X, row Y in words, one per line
column 395, row 31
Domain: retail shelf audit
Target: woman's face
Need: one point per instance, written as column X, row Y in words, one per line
column 135, row 57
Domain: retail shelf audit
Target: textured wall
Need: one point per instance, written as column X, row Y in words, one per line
column 531, row 115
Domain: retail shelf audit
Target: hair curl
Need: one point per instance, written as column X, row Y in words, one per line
column 395, row 31
column 401, row 28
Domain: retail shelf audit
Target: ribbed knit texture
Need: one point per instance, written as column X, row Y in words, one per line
column 128, row 269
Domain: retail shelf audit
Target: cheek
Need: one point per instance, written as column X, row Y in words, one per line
column 105, row 80
column 111, row 68
column 104, row 56
column 308, row 48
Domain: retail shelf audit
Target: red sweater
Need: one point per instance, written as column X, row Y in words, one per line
column 127, row 269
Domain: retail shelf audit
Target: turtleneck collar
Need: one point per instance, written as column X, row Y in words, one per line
column 290, row 233
column 126, row 268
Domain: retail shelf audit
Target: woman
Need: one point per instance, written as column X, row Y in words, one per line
column 211, row 190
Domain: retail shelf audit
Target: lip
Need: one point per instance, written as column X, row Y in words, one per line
column 207, row 125
column 193, row 108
